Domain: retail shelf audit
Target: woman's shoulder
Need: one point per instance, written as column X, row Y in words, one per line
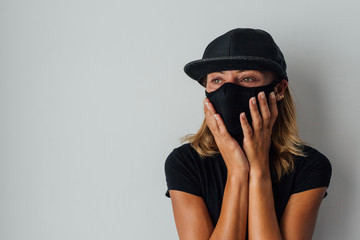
column 182, row 171
column 311, row 171
column 182, row 150
column 311, row 155
column 314, row 160
column 184, row 153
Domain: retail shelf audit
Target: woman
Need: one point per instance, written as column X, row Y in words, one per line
column 245, row 174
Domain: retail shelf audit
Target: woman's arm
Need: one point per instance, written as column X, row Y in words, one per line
column 192, row 217
column 232, row 223
column 233, row 215
column 299, row 217
column 263, row 223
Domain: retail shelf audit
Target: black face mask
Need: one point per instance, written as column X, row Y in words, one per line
column 231, row 99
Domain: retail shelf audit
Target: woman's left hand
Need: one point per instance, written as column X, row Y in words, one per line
column 257, row 138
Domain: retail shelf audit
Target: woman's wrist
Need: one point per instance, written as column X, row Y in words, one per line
column 238, row 175
column 260, row 172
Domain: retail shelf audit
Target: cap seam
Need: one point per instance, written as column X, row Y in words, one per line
column 230, row 43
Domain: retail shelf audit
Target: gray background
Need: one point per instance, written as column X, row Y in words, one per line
column 93, row 98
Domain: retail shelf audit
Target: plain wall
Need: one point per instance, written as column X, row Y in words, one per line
column 93, row 98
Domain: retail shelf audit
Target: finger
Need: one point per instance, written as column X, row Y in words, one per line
column 273, row 109
column 247, row 130
column 222, row 128
column 209, row 116
column 255, row 115
column 264, row 109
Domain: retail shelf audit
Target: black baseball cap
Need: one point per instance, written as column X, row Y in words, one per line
column 239, row 49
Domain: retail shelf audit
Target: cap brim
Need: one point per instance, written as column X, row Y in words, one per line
column 199, row 68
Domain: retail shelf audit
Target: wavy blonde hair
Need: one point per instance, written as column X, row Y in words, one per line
column 285, row 141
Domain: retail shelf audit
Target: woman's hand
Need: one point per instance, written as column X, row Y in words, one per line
column 233, row 155
column 257, row 139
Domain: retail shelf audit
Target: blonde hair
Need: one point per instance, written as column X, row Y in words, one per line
column 285, row 141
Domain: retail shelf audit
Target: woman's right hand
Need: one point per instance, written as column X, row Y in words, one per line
column 234, row 157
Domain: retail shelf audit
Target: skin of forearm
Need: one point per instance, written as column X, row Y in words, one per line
column 232, row 222
column 263, row 223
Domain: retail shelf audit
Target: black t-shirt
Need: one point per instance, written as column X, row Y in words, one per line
column 185, row 171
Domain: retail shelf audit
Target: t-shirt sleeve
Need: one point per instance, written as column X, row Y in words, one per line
column 181, row 174
column 315, row 172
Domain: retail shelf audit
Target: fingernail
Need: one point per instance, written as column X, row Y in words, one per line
column 243, row 115
column 253, row 100
column 216, row 117
column 272, row 95
column 262, row 95
column 207, row 105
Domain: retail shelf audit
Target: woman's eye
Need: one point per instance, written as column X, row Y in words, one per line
column 216, row 80
column 247, row 79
